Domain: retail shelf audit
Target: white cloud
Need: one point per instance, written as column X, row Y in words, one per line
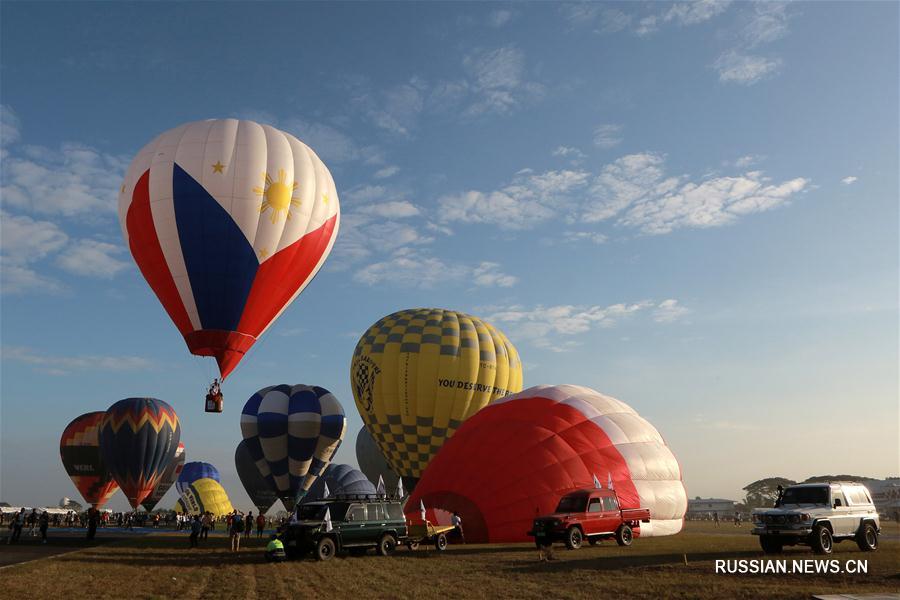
column 74, row 181
column 396, row 108
column 572, row 237
column 767, row 22
column 607, row 136
column 647, row 25
column 24, row 240
column 669, row 311
column 386, row 172
column 62, row 365
column 574, row 154
column 498, row 80
column 407, row 268
column 736, row 67
column 848, row 180
column 623, row 182
column 91, row 258
column 10, row 126
column 365, row 193
column 580, row 13
column 499, row 18
column 747, row 160
column 613, row 21
column 390, row 210
column 20, row 279
column 488, row 274
column 329, row 143
column 698, row 11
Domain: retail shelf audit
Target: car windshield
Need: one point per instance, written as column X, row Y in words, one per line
column 572, row 503
column 805, row 495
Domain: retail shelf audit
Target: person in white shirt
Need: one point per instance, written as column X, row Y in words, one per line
column 456, row 521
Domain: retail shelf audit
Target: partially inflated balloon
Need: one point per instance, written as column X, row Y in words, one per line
column 292, row 433
column 205, row 495
column 517, row 457
column 261, row 493
column 138, row 440
column 372, row 462
column 193, row 471
column 79, row 448
column 169, row 477
column 228, row 221
column 341, row 479
column 418, row 374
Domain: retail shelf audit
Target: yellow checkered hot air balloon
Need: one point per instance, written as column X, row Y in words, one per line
column 204, row 495
column 417, row 374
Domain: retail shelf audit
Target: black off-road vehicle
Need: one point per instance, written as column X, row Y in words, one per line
column 357, row 524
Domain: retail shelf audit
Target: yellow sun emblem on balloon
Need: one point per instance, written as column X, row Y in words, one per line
column 277, row 195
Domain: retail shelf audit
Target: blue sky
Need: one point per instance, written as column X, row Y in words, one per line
column 691, row 207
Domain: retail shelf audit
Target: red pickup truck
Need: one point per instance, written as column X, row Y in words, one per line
column 591, row 514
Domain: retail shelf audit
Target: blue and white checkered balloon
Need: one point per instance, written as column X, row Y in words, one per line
column 292, row 433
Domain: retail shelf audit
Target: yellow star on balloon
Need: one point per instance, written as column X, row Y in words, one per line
column 217, row 168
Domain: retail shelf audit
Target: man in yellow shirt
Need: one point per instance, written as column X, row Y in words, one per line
column 275, row 550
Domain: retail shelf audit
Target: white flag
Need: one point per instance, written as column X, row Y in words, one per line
column 422, row 509
column 325, row 492
column 400, row 491
column 379, row 489
column 597, row 483
column 328, row 519
column 609, row 480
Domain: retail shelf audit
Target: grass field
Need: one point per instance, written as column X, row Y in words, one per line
column 682, row 566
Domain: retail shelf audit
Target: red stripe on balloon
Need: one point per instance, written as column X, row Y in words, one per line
column 147, row 252
column 513, row 461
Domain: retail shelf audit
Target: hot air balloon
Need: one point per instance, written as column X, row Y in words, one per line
column 372, row 462
column 205, row 495
column 517, row 457
column 138, row 440
column 79, row 448
column 418, row 374
column 193, row 471
column 292, row 433
column 341, row 479
column 228, row 221
column 261, row 492
column 169, row 477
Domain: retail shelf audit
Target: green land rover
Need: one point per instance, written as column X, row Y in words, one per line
column 354, row 525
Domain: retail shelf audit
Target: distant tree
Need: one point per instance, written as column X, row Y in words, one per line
column 762, row 493
column 853, row 478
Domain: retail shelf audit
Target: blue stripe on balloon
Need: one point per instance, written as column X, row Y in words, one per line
column 220, row 262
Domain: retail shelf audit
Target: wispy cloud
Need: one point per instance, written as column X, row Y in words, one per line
column 329, row 143
column 499, row 18
column 669, row 311
column 849, row 180
column 418, row 269
column 386, row 172
column 17, row 279
column 746, row 69
column 608, row 136
column 63, row 365
column 10, row 126
column 763, row 23
column 573, row 154
column 24, row 240
column 92, row 258
column 698, row 11
column 498, row 81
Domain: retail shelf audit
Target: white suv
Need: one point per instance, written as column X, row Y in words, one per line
column 817, row 515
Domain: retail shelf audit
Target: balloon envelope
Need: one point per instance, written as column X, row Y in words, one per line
column 292, row 433
column 169, row 476
column 228, row 222
column 517, row 457
column 205, row 495
column 261, row 493
column 193, row 471
column 138, row 440
column 418, row 374
column 341, row 479
column 372, row 462
column 79, row 449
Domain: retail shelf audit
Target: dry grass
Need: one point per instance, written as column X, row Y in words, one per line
column 161, row 566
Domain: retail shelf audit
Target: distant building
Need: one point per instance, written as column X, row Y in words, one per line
column 885, row 495
column 703, row 508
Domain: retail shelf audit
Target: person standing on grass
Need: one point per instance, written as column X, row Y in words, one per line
column 195, row 530
column 92, row 523
column 44, row 524
column 248, row 525
column 16, row 524
column 716, row 518
column 237, row 527
column 204, row 523
column 32, row 522
column 260, row 525
column 456, row 521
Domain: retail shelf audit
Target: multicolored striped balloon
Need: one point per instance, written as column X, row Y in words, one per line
column 138, row 441
column 228, row 221
column 79, row 449
column 169, row 477
column 292, row 433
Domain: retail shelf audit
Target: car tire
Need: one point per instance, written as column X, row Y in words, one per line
column 822, row 541
column 440, row 542
column 325, row 549
column 624, row 535
column 770, row 545
column 867, row 538
column 386, row 545
column 574, row 538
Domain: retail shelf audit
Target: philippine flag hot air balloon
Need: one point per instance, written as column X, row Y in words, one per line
column 292, row 433
column 193, row 471
column 516, row 458
column 79, row 448
column 138, row 441
column 168, row 479
column 228, row 221
column 418, row 374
